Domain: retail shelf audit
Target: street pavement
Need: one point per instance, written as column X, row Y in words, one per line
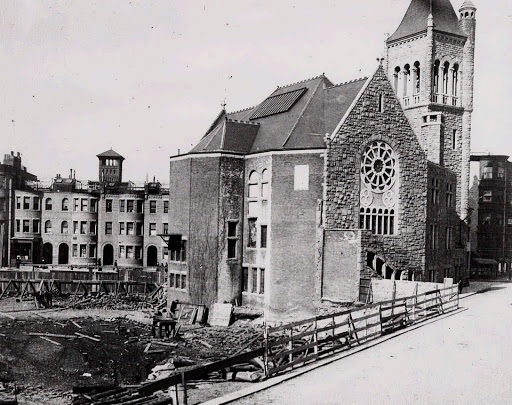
column 465, row 358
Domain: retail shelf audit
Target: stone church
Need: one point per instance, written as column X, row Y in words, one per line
column 322, row 185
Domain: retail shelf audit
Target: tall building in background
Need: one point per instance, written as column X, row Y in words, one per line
column 491, row 197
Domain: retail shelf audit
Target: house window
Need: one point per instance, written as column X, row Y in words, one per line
column 121, row 205
column 92, row 228
column 152, row 229
column 35, row 226
column 75, row 227
column 36, row 204
column 261, row 288
column 129, row 252
column 26, row 225
column 65, row 204
column 83, row 227
column 166, row 207
column 48, row 227
column 121, row 228
column 64, row 227
column 487, row 196
column 449, row 237
column 75, row 250
column 26, row 203
column 92, row 250
column 232, row 239
column 165, row 228
column 47, row 204
column 245, row 279
column 18, row 203
column 152, row 207
column 487, row 174
column 263, row 236
column 254, row 281
column 83, row 250
column 140, row 206
column 501, row 173
column 121, row 251
column 94, row 205
column 449, row 195
column 252, row 233
column 454, row 139
column 108, row 205
column 108, row 228
column 435, row 192
column 265, row 190
column 253, row 209
column 433, row 236
column 18, row 225
column 140, row 229
column 177, row 249
column 83, row 204
column 129, row 228
column 138, row 252
column 129, row 206
column 301, row 177
column 253, row 184
column 75, row 204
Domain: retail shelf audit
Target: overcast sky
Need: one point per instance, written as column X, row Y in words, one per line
column 148, row 77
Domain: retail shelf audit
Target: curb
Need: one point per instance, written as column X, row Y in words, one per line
column 257, row 387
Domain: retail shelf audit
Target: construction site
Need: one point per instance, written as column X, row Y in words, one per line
column 111, row 341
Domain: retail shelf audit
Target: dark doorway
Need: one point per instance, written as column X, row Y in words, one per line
column 63, row 253
column 47, row 253
column 108, row 255
column 152, row 256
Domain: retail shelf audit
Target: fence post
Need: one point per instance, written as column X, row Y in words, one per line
column 458, row 295
column 184, row 383
column 265, row 355
column 290, row 345
column 315, row 337
column 334, row 331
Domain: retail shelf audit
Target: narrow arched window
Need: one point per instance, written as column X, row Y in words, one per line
column 265, row 191
column 48, row 227
column 65, row 204
column 64, row 227
column 407, row 78
column 446, row 71
column 455, row 84
column 48, row 204
column 417, row 78
column 395, row 79
column 253, row 184
column 436, row 76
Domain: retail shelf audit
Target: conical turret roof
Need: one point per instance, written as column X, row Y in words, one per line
column 415, row 19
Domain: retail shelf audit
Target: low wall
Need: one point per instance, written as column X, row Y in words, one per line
column 382, row 290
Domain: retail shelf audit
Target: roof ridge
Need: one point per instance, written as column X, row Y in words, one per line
column 239, row 111
column 301, row 81
column 347, row 82
column 242, row 121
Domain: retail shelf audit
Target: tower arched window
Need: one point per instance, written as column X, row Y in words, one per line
column 48, row 227
column 265, row 191
column 254, row 184
column 455, row 84
column 379, row 188
column 64, row 227
column 436, row 79
column 395, row 79
column 407, row 78
column 65, row 204
column 417, row 78
column 446, row 71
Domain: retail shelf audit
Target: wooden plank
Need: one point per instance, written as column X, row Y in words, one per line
column 49, row 340
column 87, row 337
column 292, row 351
column 52, row 335
column 7, row 316
column 277, row 369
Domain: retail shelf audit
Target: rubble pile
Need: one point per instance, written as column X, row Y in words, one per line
column 110, row 301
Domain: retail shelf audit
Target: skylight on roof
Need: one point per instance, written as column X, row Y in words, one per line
column 278, row 104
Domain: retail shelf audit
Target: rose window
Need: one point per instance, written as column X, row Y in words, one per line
column 378, row 167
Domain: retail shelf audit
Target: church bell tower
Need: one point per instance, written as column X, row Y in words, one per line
column 430, row 63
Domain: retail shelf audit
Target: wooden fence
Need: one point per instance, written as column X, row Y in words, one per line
column 297, row 343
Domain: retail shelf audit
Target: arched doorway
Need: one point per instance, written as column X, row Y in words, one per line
column 108, row 255
column 47, row 253
column 152, row 256
column 63, row 253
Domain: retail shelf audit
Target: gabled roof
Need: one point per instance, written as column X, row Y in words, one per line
column 110, row 154
column 415, row 19
column 292, row 117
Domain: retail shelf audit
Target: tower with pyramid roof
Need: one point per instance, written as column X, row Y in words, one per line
column 430, row 63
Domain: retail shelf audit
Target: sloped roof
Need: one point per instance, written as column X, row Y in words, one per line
column 415, row 19
column 292, row 117
column 110, row 154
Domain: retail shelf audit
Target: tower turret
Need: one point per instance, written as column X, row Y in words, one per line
column 110, row 167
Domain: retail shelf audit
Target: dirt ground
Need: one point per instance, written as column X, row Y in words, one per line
column 45, row 369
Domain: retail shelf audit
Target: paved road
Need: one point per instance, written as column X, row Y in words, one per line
column 462, row 359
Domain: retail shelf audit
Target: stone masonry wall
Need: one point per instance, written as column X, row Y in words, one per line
column 364, row 124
